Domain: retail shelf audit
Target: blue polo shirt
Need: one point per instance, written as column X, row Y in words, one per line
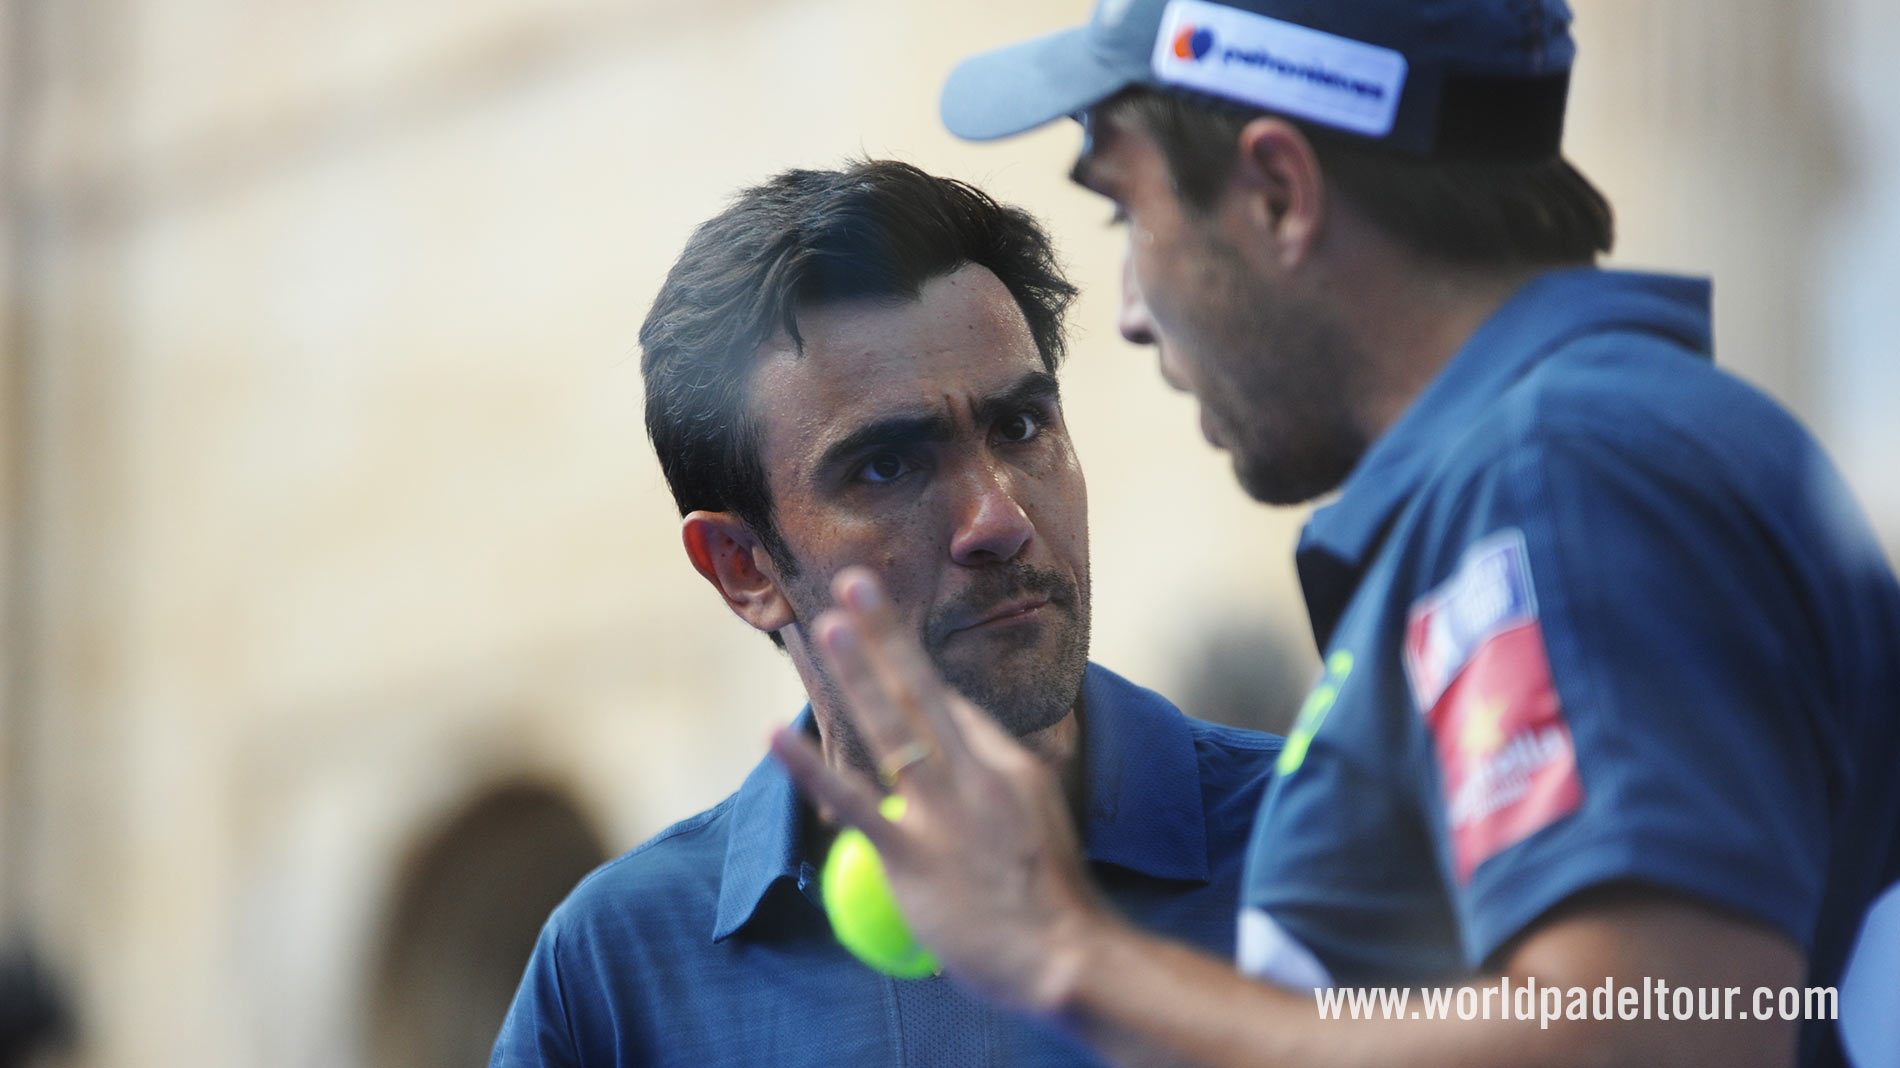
column 706, row 945
column 1593, row 611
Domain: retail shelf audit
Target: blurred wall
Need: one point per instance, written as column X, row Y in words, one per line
column 336, row 564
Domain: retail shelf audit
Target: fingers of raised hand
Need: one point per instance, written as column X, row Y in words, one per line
column 849, row 797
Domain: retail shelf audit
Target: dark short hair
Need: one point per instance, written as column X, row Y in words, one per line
column 1469, row 211
column 874, row 229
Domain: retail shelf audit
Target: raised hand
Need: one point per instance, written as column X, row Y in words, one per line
column 985, row 862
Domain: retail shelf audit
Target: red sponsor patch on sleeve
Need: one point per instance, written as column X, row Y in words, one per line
column 1474, row 653
column 1505, row 755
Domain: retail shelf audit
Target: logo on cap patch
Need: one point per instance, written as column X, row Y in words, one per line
column 1193, row 43
column 1278, row 65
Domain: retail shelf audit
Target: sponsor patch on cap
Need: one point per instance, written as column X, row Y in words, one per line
column 1281, row 66
column 1475, row 657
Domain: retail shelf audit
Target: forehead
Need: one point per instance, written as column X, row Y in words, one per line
column 963, row 338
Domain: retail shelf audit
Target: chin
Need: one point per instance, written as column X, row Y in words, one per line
column 1284, row 478
column 1266, row 484
column 1026, row 694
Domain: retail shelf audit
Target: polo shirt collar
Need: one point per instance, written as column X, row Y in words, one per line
column 1144, row 801
column 762, row 845
column 1144, row 781
column 1550, row 310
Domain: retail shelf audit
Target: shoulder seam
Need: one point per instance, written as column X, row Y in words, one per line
column 1230, row 737
column 690, row 825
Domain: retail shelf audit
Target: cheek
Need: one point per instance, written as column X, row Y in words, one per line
column 826, row 540
column 1173, row 370
column 1063, row 521
column 901, row 552
column 1162, row 278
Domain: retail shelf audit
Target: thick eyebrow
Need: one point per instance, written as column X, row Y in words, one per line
column 895, row 433
column 1036, row 387
column 899, row 432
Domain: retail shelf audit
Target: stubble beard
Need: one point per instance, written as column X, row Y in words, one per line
column 1294, row 436
column 1038, row 694
column 1022, row 699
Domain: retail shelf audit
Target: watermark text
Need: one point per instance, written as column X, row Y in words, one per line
column 1527, row 999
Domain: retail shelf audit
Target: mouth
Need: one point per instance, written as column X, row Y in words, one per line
column 1014, row 611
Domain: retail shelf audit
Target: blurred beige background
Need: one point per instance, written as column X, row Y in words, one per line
column 345, row 622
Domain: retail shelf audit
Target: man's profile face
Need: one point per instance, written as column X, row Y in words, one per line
column 1273, row 374
column 924, row 440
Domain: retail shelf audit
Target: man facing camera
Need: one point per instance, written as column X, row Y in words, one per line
column 858, row 367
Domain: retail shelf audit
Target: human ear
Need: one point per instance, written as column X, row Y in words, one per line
column 1284, row 192
column 729, row 555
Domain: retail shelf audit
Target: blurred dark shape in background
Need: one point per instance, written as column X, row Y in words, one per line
column 33, row 1012
column 1247, row 673
column 466, row 916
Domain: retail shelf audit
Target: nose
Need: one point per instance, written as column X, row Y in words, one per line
column 1137, row 324
column 1133, row 318
column 991, row 525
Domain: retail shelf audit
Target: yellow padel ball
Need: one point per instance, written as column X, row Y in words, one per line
column 863, row 913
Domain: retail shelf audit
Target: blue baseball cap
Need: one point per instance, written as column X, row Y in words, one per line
column 1433, row 78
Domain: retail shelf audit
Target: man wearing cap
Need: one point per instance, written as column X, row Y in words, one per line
column 859, row 365
column 1612, row 661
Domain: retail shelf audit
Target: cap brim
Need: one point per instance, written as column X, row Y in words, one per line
column 1010, row 90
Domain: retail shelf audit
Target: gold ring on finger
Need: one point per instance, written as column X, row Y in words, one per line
column 912, row 752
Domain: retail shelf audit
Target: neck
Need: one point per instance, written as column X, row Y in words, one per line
column 1449, row 309
column 1410, row 315
column 1060, row 747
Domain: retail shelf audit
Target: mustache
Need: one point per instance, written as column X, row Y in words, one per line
column 994, row 587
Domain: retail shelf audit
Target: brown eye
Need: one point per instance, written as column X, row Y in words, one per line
column 884, row 467
column 1018, row 428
